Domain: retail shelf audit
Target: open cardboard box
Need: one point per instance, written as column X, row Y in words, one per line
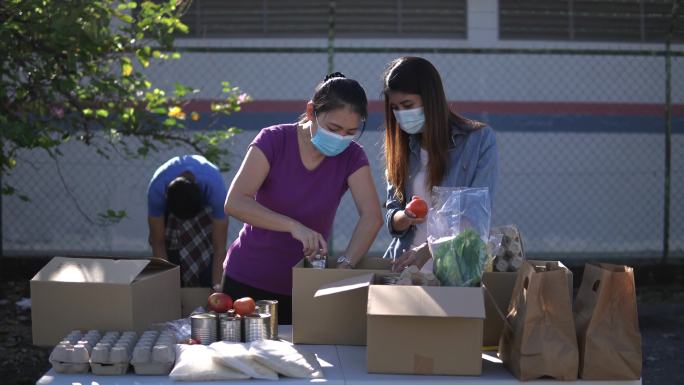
column 193, row 297
column 416, row 329
column 103, row 294
column 428, row 330
column 331, row 321
column 500, row 288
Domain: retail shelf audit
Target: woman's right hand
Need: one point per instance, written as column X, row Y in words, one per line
column 312, row 241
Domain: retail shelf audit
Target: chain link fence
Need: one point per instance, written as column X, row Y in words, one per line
column 581, row 136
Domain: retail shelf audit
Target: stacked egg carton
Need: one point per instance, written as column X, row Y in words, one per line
column 155, row 353
column 510, row 256
column 72, row 355
column 112, row 354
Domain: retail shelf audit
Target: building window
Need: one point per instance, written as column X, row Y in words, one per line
column 311, row 18
column 589, row 20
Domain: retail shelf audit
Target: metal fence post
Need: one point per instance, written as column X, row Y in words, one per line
column 668, row 131
column 331, row 69
column 331, row 38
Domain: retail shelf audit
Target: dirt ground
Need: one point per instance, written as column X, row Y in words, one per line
column 660, row 291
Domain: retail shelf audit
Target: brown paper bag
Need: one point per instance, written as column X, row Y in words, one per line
column 539, row 336
column 607, row 324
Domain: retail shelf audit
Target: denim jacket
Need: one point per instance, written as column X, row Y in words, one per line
column 473, row 163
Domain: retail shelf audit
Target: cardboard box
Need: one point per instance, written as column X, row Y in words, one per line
column 500, row 289
column 327, row 319
column 425, row 330
column 103, row 294
column 193, row 297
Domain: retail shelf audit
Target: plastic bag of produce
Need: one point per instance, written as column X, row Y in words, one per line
column 458, row 231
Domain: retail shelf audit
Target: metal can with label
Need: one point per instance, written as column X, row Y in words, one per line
column 269, row 306
column 257, row 326
column 318, row 261
column 204, row 328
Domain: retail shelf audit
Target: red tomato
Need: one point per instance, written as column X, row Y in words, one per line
column 244, row 306
column 417, row 207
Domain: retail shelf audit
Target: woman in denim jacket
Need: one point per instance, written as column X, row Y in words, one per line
column 427, row 145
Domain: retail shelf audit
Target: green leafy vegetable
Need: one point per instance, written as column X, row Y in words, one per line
column 459, row 260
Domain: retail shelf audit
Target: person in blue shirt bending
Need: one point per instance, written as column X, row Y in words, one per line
column 427, row 145
column 187, row 223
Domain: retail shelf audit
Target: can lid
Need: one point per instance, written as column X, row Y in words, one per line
column 258, row 315
column 203, row 316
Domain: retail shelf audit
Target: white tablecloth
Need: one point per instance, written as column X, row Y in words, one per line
column 341, row 365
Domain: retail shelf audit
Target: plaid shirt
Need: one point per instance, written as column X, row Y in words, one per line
column 192, row 239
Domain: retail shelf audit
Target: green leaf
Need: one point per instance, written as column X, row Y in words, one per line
column 102, row 113
column 8, row 190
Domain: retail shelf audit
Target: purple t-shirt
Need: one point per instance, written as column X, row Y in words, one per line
column 264, row 258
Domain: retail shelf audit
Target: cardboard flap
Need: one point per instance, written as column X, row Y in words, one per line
column 344, row 285
column 426, row 301
column 91, row 270
column 368, row 263
column 542, row 266
column 159, row 264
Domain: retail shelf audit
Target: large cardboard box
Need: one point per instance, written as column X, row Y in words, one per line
column 193, row 297
column 102, row 293
column 425, row 330
column 499, row 286
column 338, row 319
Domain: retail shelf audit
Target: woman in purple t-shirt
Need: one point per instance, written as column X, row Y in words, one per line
column 288, row 189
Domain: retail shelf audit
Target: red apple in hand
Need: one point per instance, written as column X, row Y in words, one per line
column 417, row 207
column 220, row 302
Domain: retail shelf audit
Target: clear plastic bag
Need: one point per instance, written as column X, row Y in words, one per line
column 458, row 232
column 181, row 328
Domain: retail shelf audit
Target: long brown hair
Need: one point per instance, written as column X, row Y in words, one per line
column 415, row 75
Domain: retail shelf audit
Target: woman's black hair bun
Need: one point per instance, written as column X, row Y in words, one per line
column 334, row 75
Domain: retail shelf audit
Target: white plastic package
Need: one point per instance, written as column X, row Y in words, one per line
column 236, row 356
column 286, row 359
column 196, row 363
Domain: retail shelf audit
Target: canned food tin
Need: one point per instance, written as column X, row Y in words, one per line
column 390, row 279
column 230, row 328
column 257, row 326
column 204, row 328
column 269, row 306
column 318, row 261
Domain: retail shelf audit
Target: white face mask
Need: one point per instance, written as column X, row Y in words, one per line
column 411, row 121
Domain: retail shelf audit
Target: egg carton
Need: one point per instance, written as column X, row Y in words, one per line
column 72, row 354
column 510, row 256
column 155, row 353
column 112, row 354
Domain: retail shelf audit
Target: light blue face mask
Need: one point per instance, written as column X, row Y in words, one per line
column 411, row 121
column 330, row 143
